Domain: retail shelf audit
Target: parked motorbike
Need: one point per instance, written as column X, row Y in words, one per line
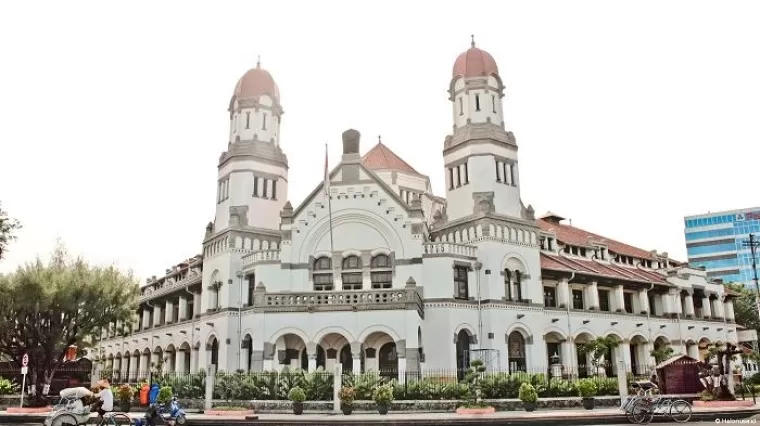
column 170, row 414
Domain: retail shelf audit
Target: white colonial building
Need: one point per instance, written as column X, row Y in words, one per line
column 406, row 280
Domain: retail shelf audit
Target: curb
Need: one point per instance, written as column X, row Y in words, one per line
column 357, row 420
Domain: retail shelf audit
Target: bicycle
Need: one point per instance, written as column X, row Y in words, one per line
column 115, row 419
column 643, row 390
column 644, row 410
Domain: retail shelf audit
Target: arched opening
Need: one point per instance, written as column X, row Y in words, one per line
column 516, row 352
column 214, row 353
column 185, row 357
column 462, row 353
column 639, row 357
column 703, row 348
column 583, row 359
column 554, row 353
column 288, row 348
column 170, row 365
column 247, row 352
column 335, row 349
column 387, row 360
column 613, row 355
column 346, row 359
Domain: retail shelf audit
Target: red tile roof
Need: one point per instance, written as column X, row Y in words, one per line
column 380, row 157
column 589, row 267
column 578, row 237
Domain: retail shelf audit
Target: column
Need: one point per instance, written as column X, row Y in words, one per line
column 644, row 300
column 177, row 365
column 717, row 308
column 563, row 293
column 706, row 308
column 133, row 372
column 729, row 309
column 650, row 361
column 169, row 311
column 624, row 354
column 567, row 357
column 592, row 295
column 146, row 319
column 401, row 354
column 311, row 352
column 619, row 299
column 156, row 316
column 194, row 355
column 183, row 314
column 688, row 308
column 196, row 304
column 144, row 365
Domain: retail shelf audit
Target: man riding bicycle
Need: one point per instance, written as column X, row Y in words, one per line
column 105, row 399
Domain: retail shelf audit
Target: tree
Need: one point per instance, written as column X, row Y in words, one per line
column 662, row 353
column 45, row 308
column 598, row 348
column 8, row 226
column 745, row 308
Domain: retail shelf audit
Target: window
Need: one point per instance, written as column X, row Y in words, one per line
column 493, row 103
column 323, row 275
column 461, row 109
column 604, row 300
column 255, row 186
column 264, row 188
column 248, row 120
column 513, row 285
column 652, row 306
column 578, row 299
column 512, row 175
column 550, row 297
column 264, row 121
column 381, row 273
column 461, row 283
column 451, row 178
column 466, row 174
column 459, row 177
column 477, row 102
column 352, row 273
column 518, row 285
column 628, row 302
column 274, row 189
column 498, row 171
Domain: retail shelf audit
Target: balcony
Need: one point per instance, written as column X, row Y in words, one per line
column 159, row 289
column 261, row 256
column 448, row 249
column 407, row 298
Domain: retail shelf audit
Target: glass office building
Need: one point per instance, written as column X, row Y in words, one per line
column 718, row 241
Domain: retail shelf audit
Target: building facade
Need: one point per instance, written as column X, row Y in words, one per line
column 374, row 272
column 719, row 243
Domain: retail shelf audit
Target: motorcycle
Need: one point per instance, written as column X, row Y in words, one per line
column 170, row 414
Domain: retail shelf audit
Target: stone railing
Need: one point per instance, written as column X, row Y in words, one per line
column 152, row 291
column 260, row 256
column 429, row 249
column 339, row 300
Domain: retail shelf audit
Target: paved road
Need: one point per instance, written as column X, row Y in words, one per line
column 750, row 421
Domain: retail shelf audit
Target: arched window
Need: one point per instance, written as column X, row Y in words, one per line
column 518, row 285
column 323, row 275
column 381, row 273
column 508, row 284
column 512, row 285
column 352, row 273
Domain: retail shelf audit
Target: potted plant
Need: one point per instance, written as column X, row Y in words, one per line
column 165, row 395
column 528, row 396
column 298, row 396
column 347, row 395
column 383, row 395
column 124, row 395
column 587, row 389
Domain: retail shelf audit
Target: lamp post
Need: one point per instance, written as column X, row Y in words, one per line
column 752, row 243
column 240, row 276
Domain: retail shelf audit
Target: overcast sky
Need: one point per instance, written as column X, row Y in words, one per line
column 628, row 115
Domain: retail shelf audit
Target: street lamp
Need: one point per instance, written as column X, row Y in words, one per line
column 240, row 276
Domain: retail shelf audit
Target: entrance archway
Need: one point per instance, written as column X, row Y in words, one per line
column 387, row 360
column 462, row 353
column 516, row 352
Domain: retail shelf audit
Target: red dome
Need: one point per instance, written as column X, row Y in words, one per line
column 475, row 63
column 256, row 82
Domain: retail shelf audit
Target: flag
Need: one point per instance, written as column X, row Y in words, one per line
column 327, row 175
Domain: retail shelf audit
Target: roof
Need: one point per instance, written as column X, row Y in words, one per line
column 255, row 83
column 475, row 63
column 579, row 237
column 554, row 262
column 380, row 157
column 673, row 359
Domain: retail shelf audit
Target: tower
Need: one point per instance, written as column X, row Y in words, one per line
column 253, row 172
column 480, row 156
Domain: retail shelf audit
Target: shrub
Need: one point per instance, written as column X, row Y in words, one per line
column 587, row 388
column 125, row 393
column 7, row 387
column 347, row 395
column 297, row 394
column 528, row 393
column 165, row 394
column 383, row 394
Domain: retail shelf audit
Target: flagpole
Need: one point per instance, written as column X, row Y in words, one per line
column 329, row 204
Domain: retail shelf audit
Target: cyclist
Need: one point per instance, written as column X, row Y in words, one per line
column 105, row 399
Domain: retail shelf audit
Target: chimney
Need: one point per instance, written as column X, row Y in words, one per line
column 351, row 146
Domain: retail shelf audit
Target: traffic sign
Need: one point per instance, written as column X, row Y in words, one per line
column 25, row 360
column 24, row 370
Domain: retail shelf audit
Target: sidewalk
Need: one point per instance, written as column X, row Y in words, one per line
column 568, row 416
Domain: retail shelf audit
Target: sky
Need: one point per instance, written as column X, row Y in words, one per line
column 628, row 114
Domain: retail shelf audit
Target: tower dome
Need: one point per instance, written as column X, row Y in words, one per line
column 255, row 83
column 475, row 63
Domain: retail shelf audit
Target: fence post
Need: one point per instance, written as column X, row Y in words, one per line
column 210, row 379
column 622, row 381
column 337, row 384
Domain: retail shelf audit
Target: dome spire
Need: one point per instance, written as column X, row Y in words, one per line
column 258, row 61
column 379, row 139
column 472, row 40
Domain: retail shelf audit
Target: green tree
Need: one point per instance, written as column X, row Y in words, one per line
column 45, row 308
column 8, row 227
column 745, row 309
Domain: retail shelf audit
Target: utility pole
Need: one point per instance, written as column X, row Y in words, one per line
column 753, row 244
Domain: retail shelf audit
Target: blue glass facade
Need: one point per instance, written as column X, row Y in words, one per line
column 717, row 242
